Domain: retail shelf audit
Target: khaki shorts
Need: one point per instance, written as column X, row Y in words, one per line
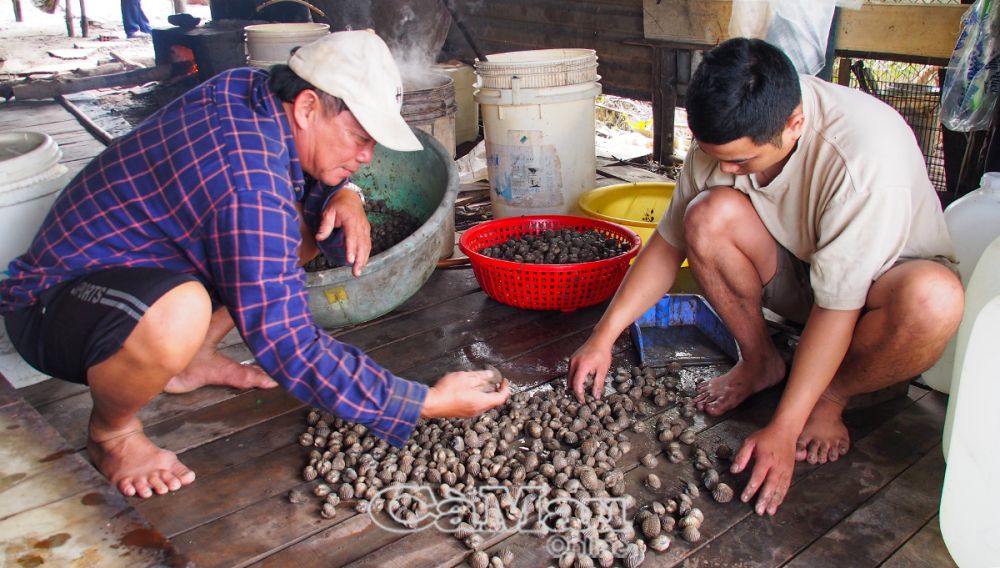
column 789, row 293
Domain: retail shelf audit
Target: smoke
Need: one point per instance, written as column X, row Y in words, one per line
column 416, row 32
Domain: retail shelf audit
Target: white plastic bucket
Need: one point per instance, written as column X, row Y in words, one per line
column 467, row 111
column 31, row 178
column 270, row 44
column 540, row 150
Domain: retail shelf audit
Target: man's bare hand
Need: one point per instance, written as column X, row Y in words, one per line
column 346, row 211
column 590, row 360
column 773, row 451
column 460, row 395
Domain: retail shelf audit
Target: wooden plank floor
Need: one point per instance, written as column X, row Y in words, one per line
column 878, row 506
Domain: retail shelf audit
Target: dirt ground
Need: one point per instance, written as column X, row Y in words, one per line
column 25, row 46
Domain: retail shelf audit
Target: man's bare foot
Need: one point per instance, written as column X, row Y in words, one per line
column 134, row 464
column 721, row 394
column 210, row 367
column 824, row 437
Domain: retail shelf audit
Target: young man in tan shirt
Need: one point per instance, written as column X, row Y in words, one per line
column 811, row 199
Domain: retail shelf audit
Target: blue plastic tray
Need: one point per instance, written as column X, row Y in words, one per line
column 685, row 329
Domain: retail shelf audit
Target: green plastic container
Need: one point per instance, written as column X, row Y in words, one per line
column 423, row 183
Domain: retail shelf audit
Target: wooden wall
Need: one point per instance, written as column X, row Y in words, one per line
column 606, row 26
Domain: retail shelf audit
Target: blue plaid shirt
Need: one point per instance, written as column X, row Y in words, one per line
column 208, row 186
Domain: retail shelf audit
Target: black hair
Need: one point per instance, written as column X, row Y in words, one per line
column 287, row 85
column 743, row 88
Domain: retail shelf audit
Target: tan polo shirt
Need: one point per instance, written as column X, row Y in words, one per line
column 852, row 200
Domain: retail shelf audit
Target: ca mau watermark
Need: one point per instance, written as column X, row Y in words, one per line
column 412, row 508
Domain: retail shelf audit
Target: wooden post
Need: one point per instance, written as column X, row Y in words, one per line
column 17, row 11
column 844, row 71
column 70, row 28
column 664, row 101
column 180, row 7
column 84, row 24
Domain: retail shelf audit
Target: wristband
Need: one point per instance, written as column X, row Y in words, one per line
column 349, row 185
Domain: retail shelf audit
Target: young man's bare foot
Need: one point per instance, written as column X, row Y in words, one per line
column 214, row 368
column 722, row 394
column 134, row 464
column 824, row 437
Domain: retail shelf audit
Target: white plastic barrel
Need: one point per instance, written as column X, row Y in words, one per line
column 31, row 178
column 467, row 112
column 538, row 122
column 970, row 499
column 271, row 44
column 973, row 221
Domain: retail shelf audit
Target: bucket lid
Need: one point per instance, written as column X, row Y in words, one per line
column 304, row 27
column 538, row 68
column 25, row 155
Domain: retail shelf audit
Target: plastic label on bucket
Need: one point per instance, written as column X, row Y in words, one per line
column 529, row 174
column 336, row 295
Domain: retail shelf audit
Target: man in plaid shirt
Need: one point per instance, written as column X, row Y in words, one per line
column 200, row 219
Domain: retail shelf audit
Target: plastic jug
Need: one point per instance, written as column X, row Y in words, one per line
column 971, row 497
column 973, row 221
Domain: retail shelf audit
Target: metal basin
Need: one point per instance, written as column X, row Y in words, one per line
column 424, row 184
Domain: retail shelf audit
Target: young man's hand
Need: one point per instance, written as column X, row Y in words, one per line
column 346, row 210
column 461, row 395
column 773, row 450
column 590, row 360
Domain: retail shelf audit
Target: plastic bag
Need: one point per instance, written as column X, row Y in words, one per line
column 972, row 82
column 800, row 28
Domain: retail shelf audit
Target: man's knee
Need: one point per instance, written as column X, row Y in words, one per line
column 712, row 214
column 174, row 327
column 927, row 299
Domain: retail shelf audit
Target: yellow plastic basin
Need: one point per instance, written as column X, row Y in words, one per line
column 638, row 206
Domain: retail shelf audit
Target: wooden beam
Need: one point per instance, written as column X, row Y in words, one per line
column 909, row 30
column 53, row 88
column 18, row 17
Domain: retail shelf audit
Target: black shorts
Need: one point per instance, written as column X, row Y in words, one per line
column 78, row 324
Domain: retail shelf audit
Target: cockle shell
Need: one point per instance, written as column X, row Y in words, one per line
column 660, row 543
column 651, row 526
column 691, row 534
column 710, row 479
column 479, row 559
column 653, row 481
column 722, row 493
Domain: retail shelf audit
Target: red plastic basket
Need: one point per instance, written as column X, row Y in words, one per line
column 546, row 286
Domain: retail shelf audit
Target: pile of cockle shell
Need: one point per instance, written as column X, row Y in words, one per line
column 558, row 246
column 389, row 227
column 541, row 439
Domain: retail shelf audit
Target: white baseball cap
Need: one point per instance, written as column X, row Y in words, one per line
column 357, row 67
